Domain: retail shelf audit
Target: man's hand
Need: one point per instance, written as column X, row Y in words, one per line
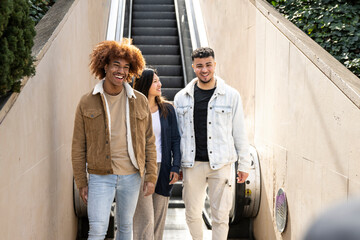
column 242, row 176
column 173, row 177
column 148, row 189
column 84, row 194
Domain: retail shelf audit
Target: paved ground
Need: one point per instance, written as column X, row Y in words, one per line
column 176, row 228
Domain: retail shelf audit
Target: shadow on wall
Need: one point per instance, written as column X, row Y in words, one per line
column 265, row 214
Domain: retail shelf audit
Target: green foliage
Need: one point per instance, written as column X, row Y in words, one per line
column 333, row 24
column 16, row 40
column 38, row 8
column 17, row 20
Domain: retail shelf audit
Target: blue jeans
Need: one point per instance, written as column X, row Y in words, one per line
column 101, row 193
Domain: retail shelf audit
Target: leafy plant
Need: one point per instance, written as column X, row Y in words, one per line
column 39, row 8
column 16, row 40
column 333, row 24
column 17, row 20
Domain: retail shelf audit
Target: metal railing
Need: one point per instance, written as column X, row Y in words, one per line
column 196, row 24
column 116, row 20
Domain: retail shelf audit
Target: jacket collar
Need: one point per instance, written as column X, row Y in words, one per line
column 99, row 88
column 220, row 86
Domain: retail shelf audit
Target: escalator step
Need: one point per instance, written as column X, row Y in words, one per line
column 169, row 70
column 159, row 49
column 163, row 59
column 155, row 40
column 154, row 23
column 153, row 2
column 153, row 15
column 154, row 7
column 172, row 82
column 140, row 31
column 170, row 93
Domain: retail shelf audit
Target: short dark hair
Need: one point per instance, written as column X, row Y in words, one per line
column 202, row 52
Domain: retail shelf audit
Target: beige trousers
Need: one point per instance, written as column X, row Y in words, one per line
column 219, row 183
column 150, row 215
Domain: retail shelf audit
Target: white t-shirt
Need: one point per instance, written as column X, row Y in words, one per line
column 157, row 132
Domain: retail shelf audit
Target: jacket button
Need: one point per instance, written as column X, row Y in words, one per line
column 192, row 150
column 210, row 152
column 209, row 122
column 192, row 136
column 107, row 142
column 210, row 108
column 209, row 137
column 213, row 166
column 107, row 156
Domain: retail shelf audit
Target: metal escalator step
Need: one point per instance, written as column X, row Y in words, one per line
column 176, row 203
column 170, row 93
column 172, row 82
column 156, row 40
column 143, row 31
column 154, row 23
column 154, row 7
column 169, row 70
column 153, row 15
column 163, row 59
column 159, row 49
column 153, row 2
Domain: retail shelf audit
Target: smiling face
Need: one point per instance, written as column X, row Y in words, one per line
column 117, row 71
column 204, row 69
column 155, row 88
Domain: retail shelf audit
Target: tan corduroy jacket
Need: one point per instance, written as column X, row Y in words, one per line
column 92, row 129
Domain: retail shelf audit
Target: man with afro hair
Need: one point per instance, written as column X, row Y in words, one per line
column 113, row 140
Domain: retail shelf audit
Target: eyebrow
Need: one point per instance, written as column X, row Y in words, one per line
column 199, row 64
column 127, row 64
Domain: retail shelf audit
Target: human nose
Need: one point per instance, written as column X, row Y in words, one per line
column 121, row 69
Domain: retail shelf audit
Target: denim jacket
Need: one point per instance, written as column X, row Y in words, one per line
column 170, row 149
column 226, row 137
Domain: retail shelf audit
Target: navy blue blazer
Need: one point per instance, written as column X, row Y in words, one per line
column 170, row 147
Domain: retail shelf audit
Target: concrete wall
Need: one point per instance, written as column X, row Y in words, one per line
column 302, row 110
column 36, row 185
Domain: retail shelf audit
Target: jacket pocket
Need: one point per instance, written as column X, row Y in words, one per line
column 141, row 123
column 183, row 116
column 222, row 119
column 222, row 115
column 94, row 121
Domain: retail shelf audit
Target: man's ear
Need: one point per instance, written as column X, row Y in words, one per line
column 192, row 65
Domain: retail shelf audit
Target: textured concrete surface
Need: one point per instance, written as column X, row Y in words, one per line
column 301, row 107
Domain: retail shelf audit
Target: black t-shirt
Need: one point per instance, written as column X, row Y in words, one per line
column 202, row 98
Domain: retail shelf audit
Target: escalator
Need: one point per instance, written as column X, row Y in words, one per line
column 161, row 29
column 154, row 31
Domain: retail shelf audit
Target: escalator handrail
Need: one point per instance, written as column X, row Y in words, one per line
column 130, row 17
column 116, row 20
column 196, row 24
column 180, row 41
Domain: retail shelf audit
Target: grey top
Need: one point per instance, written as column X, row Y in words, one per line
column 340, row 222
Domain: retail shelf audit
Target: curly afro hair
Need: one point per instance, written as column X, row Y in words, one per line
column 106, row 51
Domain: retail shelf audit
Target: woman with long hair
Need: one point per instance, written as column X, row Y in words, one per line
column 150, row 214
